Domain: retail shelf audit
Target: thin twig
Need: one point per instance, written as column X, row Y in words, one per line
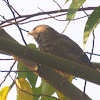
column 92, row 45
column 7, row 59
column 85, row 12
column 38, row 20
column 7, row 73
column 17, row 71
column 57, row 4
column 11, row 7
column 43, row 13
column 93, row 53
column 16, row 23
column 50, row 17
column 13, row 23
column 48, row 14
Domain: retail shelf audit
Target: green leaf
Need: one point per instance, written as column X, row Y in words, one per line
column 22, row 68
column 75, row 5
column 65, row 2
column 4, row 92
column 91, row 24
column 32, row 78
column 32, row 45
column 47, row 90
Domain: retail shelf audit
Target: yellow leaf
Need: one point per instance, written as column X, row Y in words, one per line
column 60, row 95
column 23, row 89
column 71, row 78
column 4, row 92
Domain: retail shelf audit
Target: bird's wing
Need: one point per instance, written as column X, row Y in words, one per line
column 66, row 48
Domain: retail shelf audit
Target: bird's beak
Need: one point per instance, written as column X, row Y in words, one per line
column 33, row 34
column 30, row 33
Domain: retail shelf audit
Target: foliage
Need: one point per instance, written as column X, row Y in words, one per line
column 22, row 86
column 75, row 5
column 4, row 92
column 92, row 23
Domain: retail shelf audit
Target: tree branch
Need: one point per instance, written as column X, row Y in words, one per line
column 29, row 57
column 54, row 62
column 25, row 17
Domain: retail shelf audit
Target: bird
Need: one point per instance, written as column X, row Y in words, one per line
column 52, row 42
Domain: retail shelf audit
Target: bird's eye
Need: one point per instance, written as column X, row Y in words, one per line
column 34, row 28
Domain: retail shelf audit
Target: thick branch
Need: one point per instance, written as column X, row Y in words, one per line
column 49, row 60
column 27, row 55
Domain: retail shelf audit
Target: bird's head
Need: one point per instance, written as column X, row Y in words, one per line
column 39, row 30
